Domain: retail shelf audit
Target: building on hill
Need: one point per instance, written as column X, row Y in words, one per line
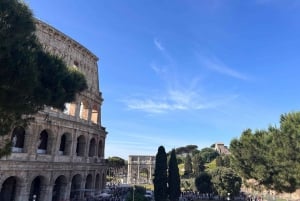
column 221, row 148
column 60, row 156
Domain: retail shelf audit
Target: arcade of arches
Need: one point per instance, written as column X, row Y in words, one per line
column 60, row 155
column 52, row 165
column 50, row 188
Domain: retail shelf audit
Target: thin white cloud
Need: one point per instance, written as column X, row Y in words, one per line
column 217, row 66
column 158, row 70
column 148, row 105
column 176, row 96
column 176, row 100
column 158, row 45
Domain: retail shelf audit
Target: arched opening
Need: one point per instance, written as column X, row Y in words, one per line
column 42, row 143
column 84, row 110
column 65, row 144
column 97, row 182
column 18, row 138
column 36, row 189
column 92, row 149
column 75, row 187
column 88, row 185
column 100, row 148
column 59, row 188
column 143, row 176
column 8, row 189
column 80, row 148
column 95, row 112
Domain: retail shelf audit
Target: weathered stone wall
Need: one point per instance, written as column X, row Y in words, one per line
column 60, row 156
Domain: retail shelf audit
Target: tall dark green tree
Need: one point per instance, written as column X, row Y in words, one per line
column 198, row 164
column 225, row 181
column 188, row 166
column 29, row 77
column 173, row 178
column 160, row 180
column 208, row 154
column 203, row 183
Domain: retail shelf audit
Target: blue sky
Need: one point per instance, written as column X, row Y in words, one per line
column 182, row 72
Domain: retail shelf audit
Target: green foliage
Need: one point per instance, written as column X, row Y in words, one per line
column 138, row 194
column 210, row 166
column 223, row 161
column 271, row 157
column 198, row 164
column 160, row 175
column 187, row 184
column 225, row 181
column 173, row 178
column 180, row 160
column 203, row 183
column 188, row 168
column 116, row 162
column 29, row 77
column 185, row 150
column 208, row 154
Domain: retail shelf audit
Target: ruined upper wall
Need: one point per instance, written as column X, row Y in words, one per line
column 73, row 53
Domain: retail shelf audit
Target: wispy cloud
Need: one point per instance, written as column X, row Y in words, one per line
column 216, row 65
column 176, row 95
column 158, row 44
column 177, row 100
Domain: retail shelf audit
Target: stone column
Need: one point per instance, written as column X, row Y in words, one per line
column 67, row 191
column 77, row 110
column 89, row 113
column 22, row 192
column 129, row 171
column 46, row 193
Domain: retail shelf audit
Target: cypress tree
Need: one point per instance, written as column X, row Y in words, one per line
column 173, row 178
column 160, row 175
column 188, row 169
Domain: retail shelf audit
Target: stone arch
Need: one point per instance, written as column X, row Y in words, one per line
column 44, row 142
column 100, row 149
column 84, row 110
column 144, row 175
column 65, row 144
column 59, row 188
column 88, row 185
column 18, row 139
column 76, row 186
column 8, row 189
column 80, row 147
column 95, row 113
column 92, row 147
column 37, row 189
column 97, row 182
column 137, row 166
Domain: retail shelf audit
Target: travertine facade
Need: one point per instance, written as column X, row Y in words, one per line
column 60, row 156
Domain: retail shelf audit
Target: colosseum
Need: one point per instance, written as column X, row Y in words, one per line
column 60, row 156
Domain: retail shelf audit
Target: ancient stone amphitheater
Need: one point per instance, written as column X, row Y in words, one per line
column 60, row 156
